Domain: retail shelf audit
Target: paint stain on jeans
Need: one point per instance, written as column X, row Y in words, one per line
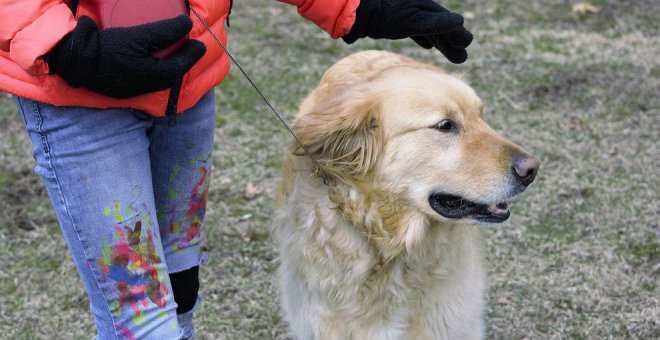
column 130, row 260
column 196, row 209
column 125, row 332
column 186, row 210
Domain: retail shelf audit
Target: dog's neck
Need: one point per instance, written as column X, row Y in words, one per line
column 384, row 215
column 406, row 246
column 392, row 225
column 378, row 214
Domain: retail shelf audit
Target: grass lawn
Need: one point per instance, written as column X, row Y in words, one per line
column 578, row 259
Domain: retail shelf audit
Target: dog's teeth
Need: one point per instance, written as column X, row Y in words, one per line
column 499, row 209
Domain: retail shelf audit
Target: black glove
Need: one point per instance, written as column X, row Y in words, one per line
column 117, row 62
column 426, row 22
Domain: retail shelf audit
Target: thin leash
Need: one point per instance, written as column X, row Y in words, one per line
column 272, row 108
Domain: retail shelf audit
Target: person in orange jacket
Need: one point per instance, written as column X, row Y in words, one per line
column 129, row 188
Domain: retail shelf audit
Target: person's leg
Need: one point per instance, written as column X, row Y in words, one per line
column 95, row 165
column 181, row 167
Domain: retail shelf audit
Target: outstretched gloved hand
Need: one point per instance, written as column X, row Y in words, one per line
column 424, row 21
column 118, row 62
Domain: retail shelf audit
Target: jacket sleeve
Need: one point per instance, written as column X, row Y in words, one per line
column 30, row 28
column 334, row 16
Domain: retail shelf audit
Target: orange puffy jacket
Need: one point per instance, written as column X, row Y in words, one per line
column 29, row 29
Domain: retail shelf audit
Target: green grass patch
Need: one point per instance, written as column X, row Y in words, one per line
column 550, row 44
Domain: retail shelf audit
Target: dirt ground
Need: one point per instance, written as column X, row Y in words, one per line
column 578, row 259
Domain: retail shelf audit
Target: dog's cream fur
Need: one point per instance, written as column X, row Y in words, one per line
column 365, row 256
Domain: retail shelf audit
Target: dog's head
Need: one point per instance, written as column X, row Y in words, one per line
column 417, row 134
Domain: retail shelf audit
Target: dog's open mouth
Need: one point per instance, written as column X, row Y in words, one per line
column 451, row 206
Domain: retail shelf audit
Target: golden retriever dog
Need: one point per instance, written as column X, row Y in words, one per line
column 381, row 239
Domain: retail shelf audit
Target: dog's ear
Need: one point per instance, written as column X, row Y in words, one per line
column 342, row 133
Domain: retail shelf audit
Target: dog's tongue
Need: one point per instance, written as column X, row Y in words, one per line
column 499, row 208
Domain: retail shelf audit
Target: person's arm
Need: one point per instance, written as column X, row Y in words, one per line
column 29, row 29
column 333, row 16
column 424, row 21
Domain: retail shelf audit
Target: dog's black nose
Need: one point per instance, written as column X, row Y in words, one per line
column 525, row 168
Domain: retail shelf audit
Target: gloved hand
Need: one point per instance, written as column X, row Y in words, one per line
column 424, row 21
column 117, row 62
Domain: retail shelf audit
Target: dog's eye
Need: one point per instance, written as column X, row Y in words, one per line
column 446, row 125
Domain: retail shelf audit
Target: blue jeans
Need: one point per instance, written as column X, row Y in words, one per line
column 129, row 192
